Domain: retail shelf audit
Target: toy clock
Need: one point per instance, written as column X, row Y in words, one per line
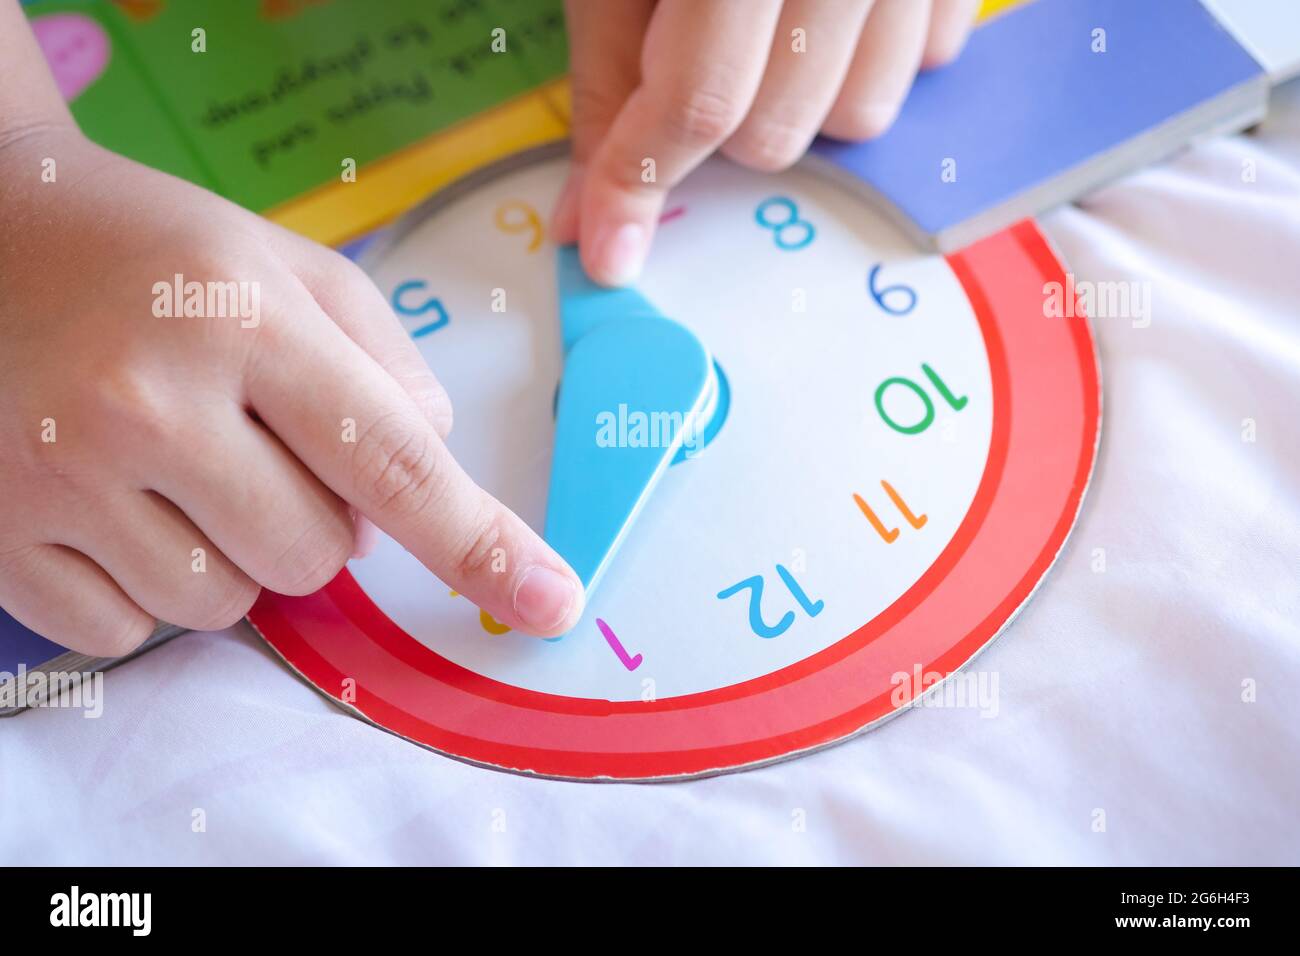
column 799, row 463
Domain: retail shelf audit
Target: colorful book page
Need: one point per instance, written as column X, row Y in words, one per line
column 899, row 446
column 114, row 102
column 284, row 92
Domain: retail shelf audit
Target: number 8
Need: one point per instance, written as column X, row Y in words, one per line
column 780, row 228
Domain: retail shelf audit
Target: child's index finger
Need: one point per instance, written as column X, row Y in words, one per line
column 360, row 432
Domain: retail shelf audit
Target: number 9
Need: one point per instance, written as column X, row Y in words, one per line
column 879, row 294
column 526, row 220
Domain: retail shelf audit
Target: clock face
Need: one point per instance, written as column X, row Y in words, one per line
column 863, row 507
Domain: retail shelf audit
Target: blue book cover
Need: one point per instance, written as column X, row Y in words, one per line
column 25, row 655
column 1042, row 92
column 19, row 645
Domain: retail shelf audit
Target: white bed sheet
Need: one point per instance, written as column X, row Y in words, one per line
column 1120, row 691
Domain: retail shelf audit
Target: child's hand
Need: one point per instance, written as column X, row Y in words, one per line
column 167, row 467
column 673, row 80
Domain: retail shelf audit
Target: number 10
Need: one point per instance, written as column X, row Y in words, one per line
column 927, row 419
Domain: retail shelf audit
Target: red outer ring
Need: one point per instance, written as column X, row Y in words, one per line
column 1044, row 442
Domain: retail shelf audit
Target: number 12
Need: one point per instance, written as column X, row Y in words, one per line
column 755, row 587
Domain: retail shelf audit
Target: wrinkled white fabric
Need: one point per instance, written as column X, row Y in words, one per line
column 1121, row 691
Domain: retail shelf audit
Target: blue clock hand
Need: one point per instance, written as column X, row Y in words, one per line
column 622, row 357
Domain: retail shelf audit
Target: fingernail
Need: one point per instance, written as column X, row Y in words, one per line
column 543, row 598
column 364, row 537
column 619, row 253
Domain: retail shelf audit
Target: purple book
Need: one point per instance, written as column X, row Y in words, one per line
column 1048, row 101
column 27, row 660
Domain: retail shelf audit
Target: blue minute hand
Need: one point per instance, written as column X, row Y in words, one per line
column 621, row 357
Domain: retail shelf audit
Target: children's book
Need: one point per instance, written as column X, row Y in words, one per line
column 261, row 100
column 33, row 670
column 1048, row 101
column 334, row 116
column 1269, row 29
